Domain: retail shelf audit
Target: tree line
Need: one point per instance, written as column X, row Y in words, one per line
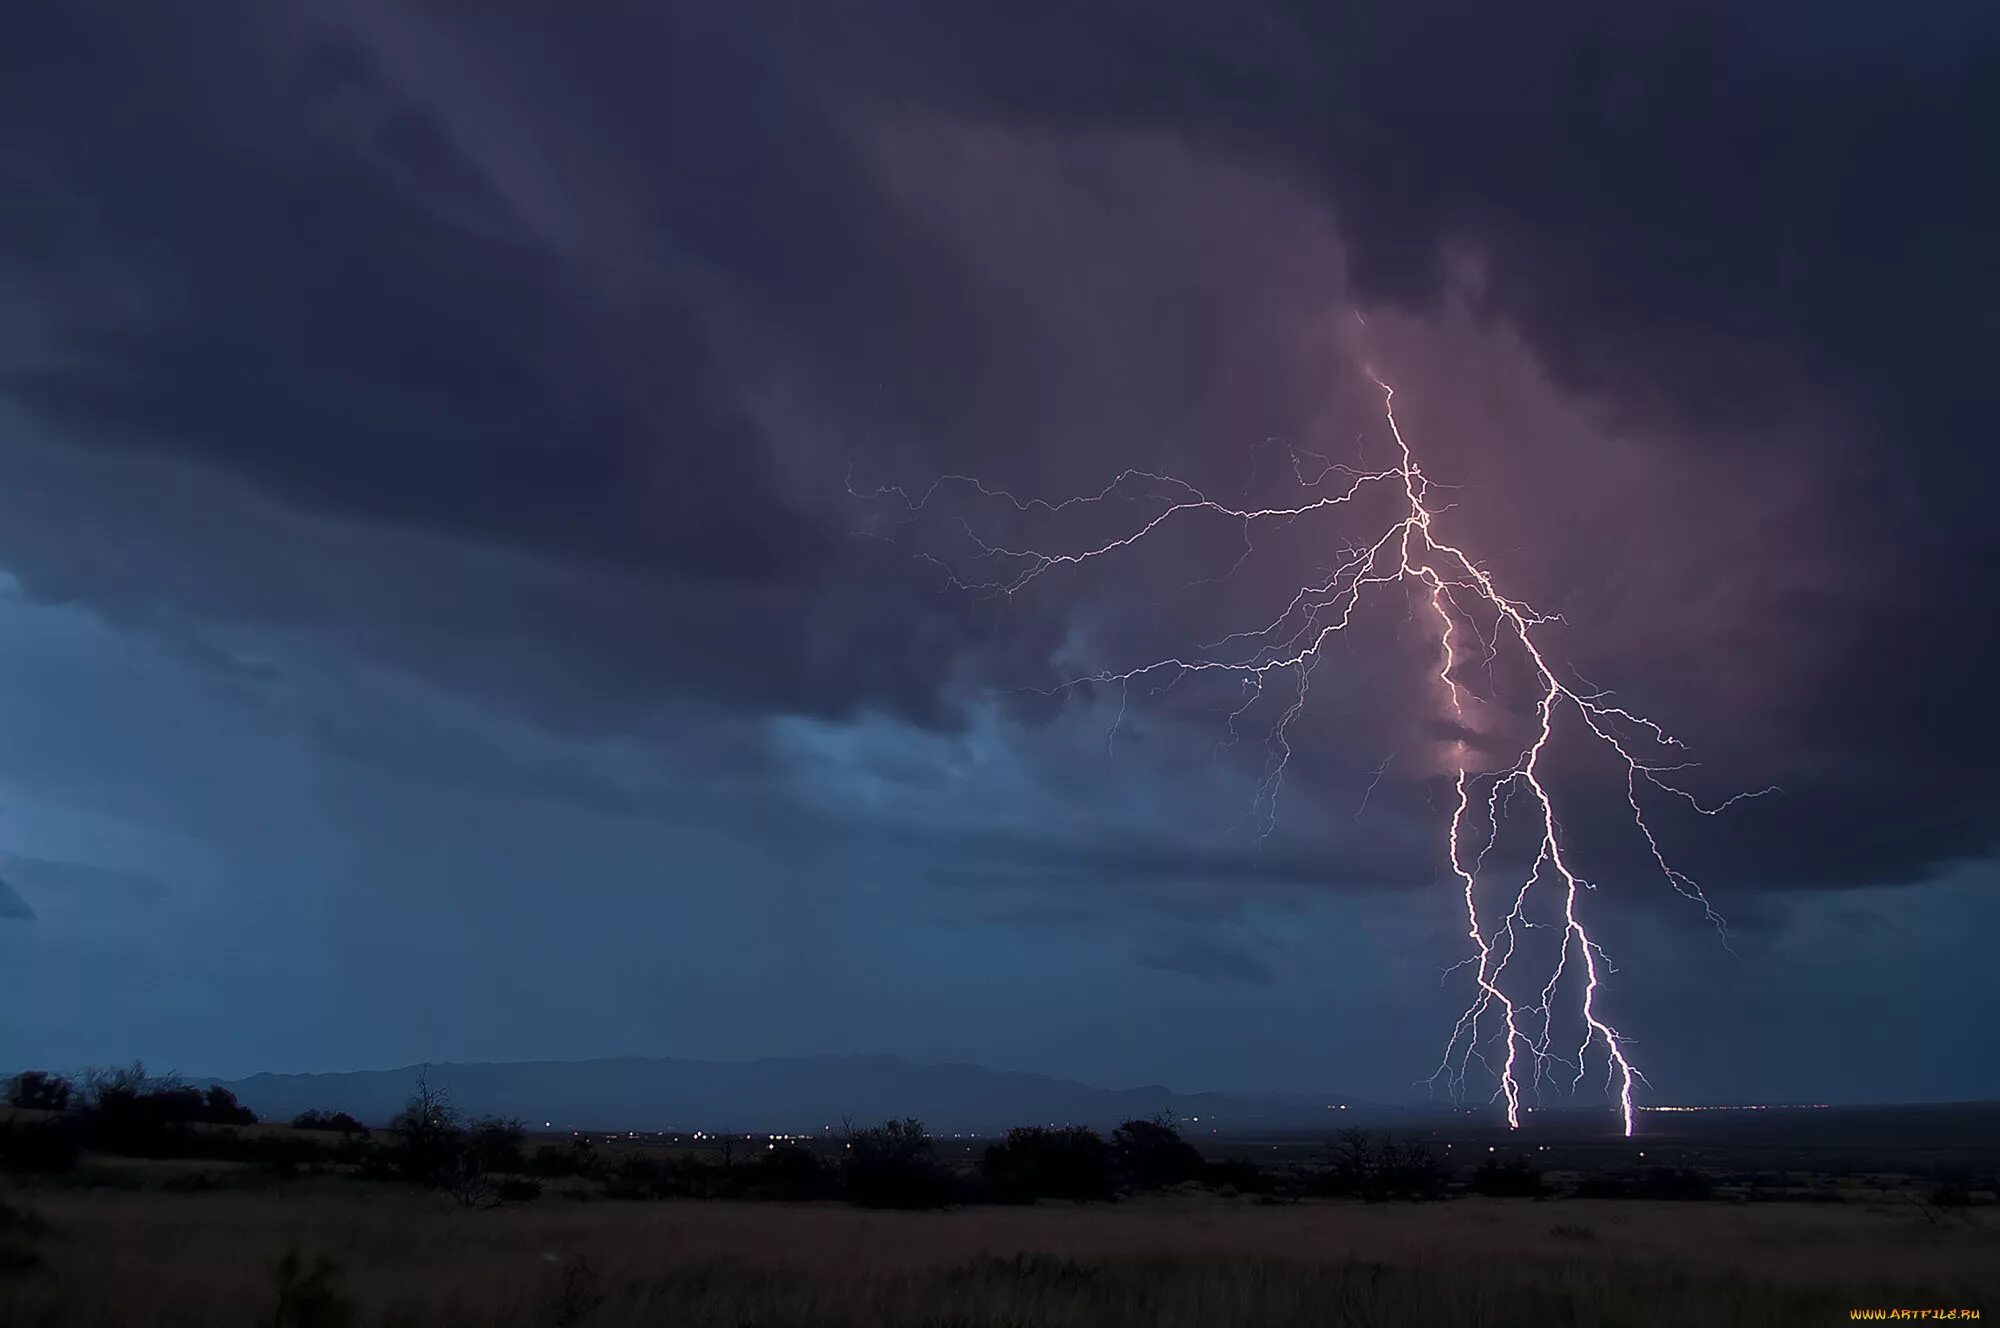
column 896, row 1164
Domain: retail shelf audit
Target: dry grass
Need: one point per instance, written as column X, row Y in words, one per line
column 126, row 1258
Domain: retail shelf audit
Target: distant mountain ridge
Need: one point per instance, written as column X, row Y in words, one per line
column 785, row 1094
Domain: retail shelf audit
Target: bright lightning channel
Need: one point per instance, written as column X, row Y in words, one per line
column 1412, row 551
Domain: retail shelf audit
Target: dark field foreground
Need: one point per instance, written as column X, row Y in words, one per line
column 108, row 1257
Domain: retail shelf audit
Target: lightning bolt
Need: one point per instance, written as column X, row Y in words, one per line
column 1509, row 1035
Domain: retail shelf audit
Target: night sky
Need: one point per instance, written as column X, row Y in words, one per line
column 438, row 620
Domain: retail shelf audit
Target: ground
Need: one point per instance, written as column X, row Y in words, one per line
column 119, row 1255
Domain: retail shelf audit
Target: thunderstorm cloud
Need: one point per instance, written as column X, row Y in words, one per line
column 436, row 450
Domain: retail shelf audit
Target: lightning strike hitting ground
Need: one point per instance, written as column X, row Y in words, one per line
column 1510, row 1035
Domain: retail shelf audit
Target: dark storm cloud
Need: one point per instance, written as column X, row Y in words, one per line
column 1698, row 215
column 1689, row 205
column 323, row 329
column 330, row 287
column 555, row 339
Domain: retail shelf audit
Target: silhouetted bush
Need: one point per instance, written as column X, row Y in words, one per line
column 1150, row 1154
column 1357, row 1165
column 495, row 1145
column 637, row 1177
column 38, row 1090
column 1038, row 1163
column 279, row 1152
column 220, row 1107
column 891, row 1166
column 433, row 1148
column 338, row 1121
column 123, row 1081
column 1517, row 1179
column 788, row 1172
column 578, row 1157
column 129, row 1112
column 518, row 1189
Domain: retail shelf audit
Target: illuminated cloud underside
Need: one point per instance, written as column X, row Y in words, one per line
column 1508, row 1027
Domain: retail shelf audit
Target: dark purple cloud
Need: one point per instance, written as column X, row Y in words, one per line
column 532, row 358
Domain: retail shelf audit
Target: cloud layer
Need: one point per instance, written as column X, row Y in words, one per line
column 482, row 405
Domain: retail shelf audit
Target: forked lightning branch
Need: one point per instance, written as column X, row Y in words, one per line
column 1509, row 1028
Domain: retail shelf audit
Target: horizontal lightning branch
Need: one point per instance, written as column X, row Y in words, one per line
column 1510, row 1035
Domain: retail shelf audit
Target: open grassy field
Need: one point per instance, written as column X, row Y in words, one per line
column 119, row 1256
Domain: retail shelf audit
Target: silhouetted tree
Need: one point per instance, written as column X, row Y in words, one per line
column 38, row 1090
column 1359, row 1165
column 787, row 1172
column 495, row 1145
column 576, row 1158
column 1151, row 1154
column 220, row 1107
column 120, row 1083
column 1039, row 1163
column 428, row 1136
column 890, row 1166
column 1350, row 1163
column 338, row 1121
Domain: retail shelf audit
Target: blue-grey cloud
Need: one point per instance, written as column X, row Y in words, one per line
column 422, row 491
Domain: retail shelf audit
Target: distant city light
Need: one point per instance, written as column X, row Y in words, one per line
column 1769, row 1106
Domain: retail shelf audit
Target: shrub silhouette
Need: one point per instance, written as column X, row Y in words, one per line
column 128, row 1111
column 891, row 1166
column 576, row 1158
column 38, row 1090
column 1039, row 1163
column 1150, row 1154
column 126, row 1081
column 495, row 1145
column 220, row 1107
column 336, row 1120
column 788, row 1172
